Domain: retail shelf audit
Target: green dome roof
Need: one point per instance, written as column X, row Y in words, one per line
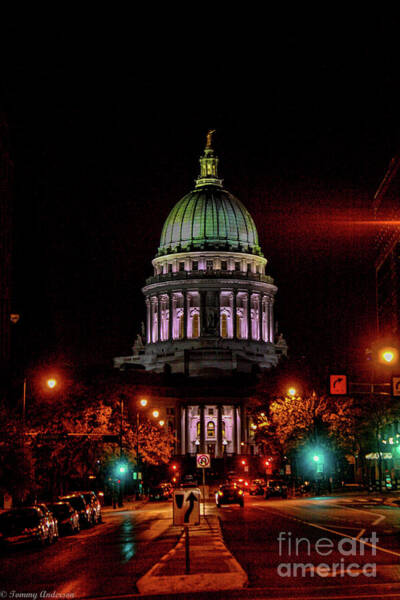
column 209, row 217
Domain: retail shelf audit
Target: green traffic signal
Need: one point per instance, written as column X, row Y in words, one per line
column 121, row 469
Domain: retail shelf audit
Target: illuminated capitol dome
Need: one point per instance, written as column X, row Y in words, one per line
column 209, row 303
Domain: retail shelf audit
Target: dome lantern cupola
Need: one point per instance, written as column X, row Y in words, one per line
column 209, row 217
column 208, row 165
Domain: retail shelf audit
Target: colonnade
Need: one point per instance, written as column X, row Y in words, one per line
column 187, row 314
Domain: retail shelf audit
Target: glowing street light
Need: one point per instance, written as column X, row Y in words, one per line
column 156, row 413
column 51, row 383
column 292, row 391
column 161, row 423
column 143, row 402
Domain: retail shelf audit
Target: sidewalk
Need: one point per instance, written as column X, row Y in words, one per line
column 212, row 566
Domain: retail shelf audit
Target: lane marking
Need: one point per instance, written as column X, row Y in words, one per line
column 361, row 541
column 353, row 538
column 360, row 534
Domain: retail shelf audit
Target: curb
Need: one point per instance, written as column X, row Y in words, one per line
column 208, row 580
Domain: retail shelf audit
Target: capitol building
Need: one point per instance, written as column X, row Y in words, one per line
column 209, row 315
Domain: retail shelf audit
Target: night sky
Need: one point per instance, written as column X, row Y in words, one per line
column 107, row 126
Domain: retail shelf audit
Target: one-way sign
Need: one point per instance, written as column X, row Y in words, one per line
column 187, row 506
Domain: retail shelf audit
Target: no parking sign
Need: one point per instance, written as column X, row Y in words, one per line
column 203, row 461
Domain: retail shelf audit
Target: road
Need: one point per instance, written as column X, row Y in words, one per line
column 314, row 542
column 345, row 545
column 104, row 560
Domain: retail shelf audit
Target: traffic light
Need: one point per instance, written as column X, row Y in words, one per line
column 121, row 469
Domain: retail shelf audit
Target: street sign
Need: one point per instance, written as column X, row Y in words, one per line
column 203, row 461
column 338, row 385
column 187, row 506
column 396, row 386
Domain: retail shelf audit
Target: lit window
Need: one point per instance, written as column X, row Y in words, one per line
column 181, row 327
column 210, row 429
column 224, row 326
column 195, row 326
column 198, row 429
column 238, row 326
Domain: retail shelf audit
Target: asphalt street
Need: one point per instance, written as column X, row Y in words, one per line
column 104, row 560
column 314, row 542
column 318, row 547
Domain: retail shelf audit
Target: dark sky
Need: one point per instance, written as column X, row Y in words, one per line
column 107, row 125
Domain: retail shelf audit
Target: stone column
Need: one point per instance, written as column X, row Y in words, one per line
column 169, row 316
column 249, row 336
column 202, row 312
column 148, row 321
column 234, row 315
column 185, row 313
column 236, row 445
column 159, row 317
column 271, row 320
column 260, row 317
column 202, row 436
column 243, row 425
column 219, row 432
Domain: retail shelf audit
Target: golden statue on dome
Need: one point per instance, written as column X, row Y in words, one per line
column 209, row 139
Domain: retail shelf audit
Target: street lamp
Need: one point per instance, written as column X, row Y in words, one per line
column 51, row 383
column 292, row 392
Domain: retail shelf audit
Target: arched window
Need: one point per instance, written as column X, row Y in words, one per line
column 195, row 326
column 210, row 429
column 224, row 325
column 198, row 429
column 223, row 430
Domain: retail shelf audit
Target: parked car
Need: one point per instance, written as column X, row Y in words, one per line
column 52, row 519
column 67, row 517
column 159, row 492
column 84, row 509
column 229, row 493
column 257, row 487
column 24, row 526
column 276, row 488
column 95, row 504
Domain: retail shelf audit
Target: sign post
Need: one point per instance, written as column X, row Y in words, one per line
column 203, row 461
column 186, row 512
